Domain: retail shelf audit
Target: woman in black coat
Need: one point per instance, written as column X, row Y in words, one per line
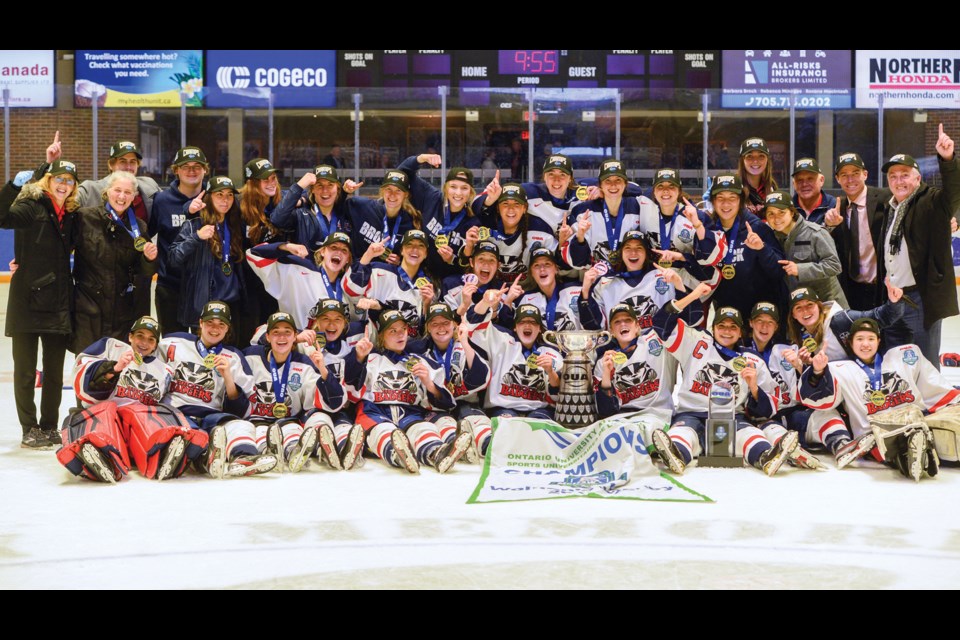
column 41, row 291
column 113, row 253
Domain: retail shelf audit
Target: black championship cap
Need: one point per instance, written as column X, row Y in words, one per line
column 610, row 168
column 387, row 318
column 278, row 317
column 221, row 183
column 513, row 192
column 864, row 324
column 460, row 173
column 414, row 235
column 767, row 308
column 726, row 182
column 189, row 154
column 123, row 147
column 623, row 308
column 670, row 176
column 60, row 167
column 528, row 311
column 849, row 159
column 259, row 169
column 216, row 310
column 147, row 323
column 326, row 172
column 559, row 162
column 806, row 164
column 754, row 144
column 779, row 200
column 328, row 304
column 900, row 158
column 728, row 313
column 440, row 310
column 336, row 237
column 802, row 293
column 396, row 179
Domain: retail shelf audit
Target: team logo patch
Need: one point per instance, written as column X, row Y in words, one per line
column 785, row 363
column 894, row 391
column 686, row 235
column 706, row 377
column 655, row 347
column 662, row 287
column 295, row 382
column 910, row 357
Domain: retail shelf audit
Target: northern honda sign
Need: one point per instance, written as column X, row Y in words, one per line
column 923, row 79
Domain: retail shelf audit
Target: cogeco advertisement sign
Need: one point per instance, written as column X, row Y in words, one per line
column 297, row 79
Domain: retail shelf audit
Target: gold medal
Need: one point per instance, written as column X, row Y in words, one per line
column 810, row 345
column 386, row 254
column 665, row 264
column 619, row 358
column 483, row 233
column 450, row 386
column 728, row 271
column 421, row 283
column 532, row 361
column 137, row 358
column 209, row 360
column 582, row 193
column 321, row 341
column 739, row 364
column 227, row 269
column 411, row 363
column 280, row 410
column 441, row 241
column 613, row 257
column 878, row 398
column 140, row 243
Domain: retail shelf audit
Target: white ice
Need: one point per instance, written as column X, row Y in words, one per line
column 377, row 527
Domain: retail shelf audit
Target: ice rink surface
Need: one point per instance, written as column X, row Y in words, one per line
column 378, row 527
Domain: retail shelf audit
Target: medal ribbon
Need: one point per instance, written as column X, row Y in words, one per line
column 224, row 232
column 667, row 231
column 279, row 380
column 134, row 230
column 727, row 353
column 876, row 379
column 451, row 225
column 406, row 279
column 613, row 230
column 335, row 290
column 731, row 241
column 326, row 228
column 765, row 354
column 552, row 307
column 204, row 352
column 446, row 359
column 392, row 236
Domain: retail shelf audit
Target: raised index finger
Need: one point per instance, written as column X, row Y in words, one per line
column 749, row 229
column 941, row 129
column 56, row 135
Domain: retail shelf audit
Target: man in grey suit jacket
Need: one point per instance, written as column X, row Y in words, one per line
column 858, row 244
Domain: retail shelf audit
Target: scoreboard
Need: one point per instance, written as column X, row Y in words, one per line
column 519, row 68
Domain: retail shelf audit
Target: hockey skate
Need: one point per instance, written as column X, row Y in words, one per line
column 854, row 449
column 773, row 458
column 327, row 447
column 669, row 453
column 915, row 455
column 172, row 458
column 303, row 449
column 446, row 455
column 402, row 453
column 251, row 465
column 353, row 448
column 472, row 455
column 275, row 443
column 96, row 463
column 216, row 460
column 803, row 459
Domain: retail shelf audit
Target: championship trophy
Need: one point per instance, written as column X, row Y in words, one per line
column 721, row 429
column 576, row 406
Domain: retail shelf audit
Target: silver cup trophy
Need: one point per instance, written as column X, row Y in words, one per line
column 576, row 406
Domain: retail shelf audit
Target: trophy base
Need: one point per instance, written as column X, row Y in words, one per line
column 725, row 462
column 575, row 415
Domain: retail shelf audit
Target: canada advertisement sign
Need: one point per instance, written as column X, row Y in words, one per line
column 909, row 79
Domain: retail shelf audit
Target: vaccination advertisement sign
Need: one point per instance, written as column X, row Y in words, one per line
column 27, row 77
column 295, row 79
column 779, row 78
column 924, row 79
column 143, row 79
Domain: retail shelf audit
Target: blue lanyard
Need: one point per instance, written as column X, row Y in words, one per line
column 392, row 236
column 613, row 231
column 326, row 228
column 406, row 279
column 204, row 352
column 528, row 352
column 224, row 232
column 498, row 233
column 724, row 351
column 278, row 381
column 665, row 231
column 449, row 225
column 731, row 240
column 766, row 353
column 334, row 291
column 876, row 378
column 552, row 307
column 134, row 230
column 447, row 358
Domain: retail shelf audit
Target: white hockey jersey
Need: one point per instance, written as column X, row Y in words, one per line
column 391, row 393
column 197, row 390
column 386, row 284
column 465, row 383
column 906, row 378
column 296, row 283
column 514, row 255
column 145, row 382
column 598, row 245
column 644, row 381
column 783, row 374
column 566, row 315
column 703, row 366
column 513, row 383
column 304, row 389
column 646, row 294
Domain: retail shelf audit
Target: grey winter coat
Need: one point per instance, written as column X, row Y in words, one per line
column 811, row 246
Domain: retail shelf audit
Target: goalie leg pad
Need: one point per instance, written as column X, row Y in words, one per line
column 945, row 428
column 98, row 425
column 150, row 428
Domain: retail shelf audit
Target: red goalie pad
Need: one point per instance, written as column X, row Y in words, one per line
column 100, row 426
column 148, row 431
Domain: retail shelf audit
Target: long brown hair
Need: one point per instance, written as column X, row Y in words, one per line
column 233, row 220
column 407, row 206
column 795, row 329
column 253, row 206
column 767, row 182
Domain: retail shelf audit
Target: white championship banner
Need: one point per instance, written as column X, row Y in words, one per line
column 533, row 459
